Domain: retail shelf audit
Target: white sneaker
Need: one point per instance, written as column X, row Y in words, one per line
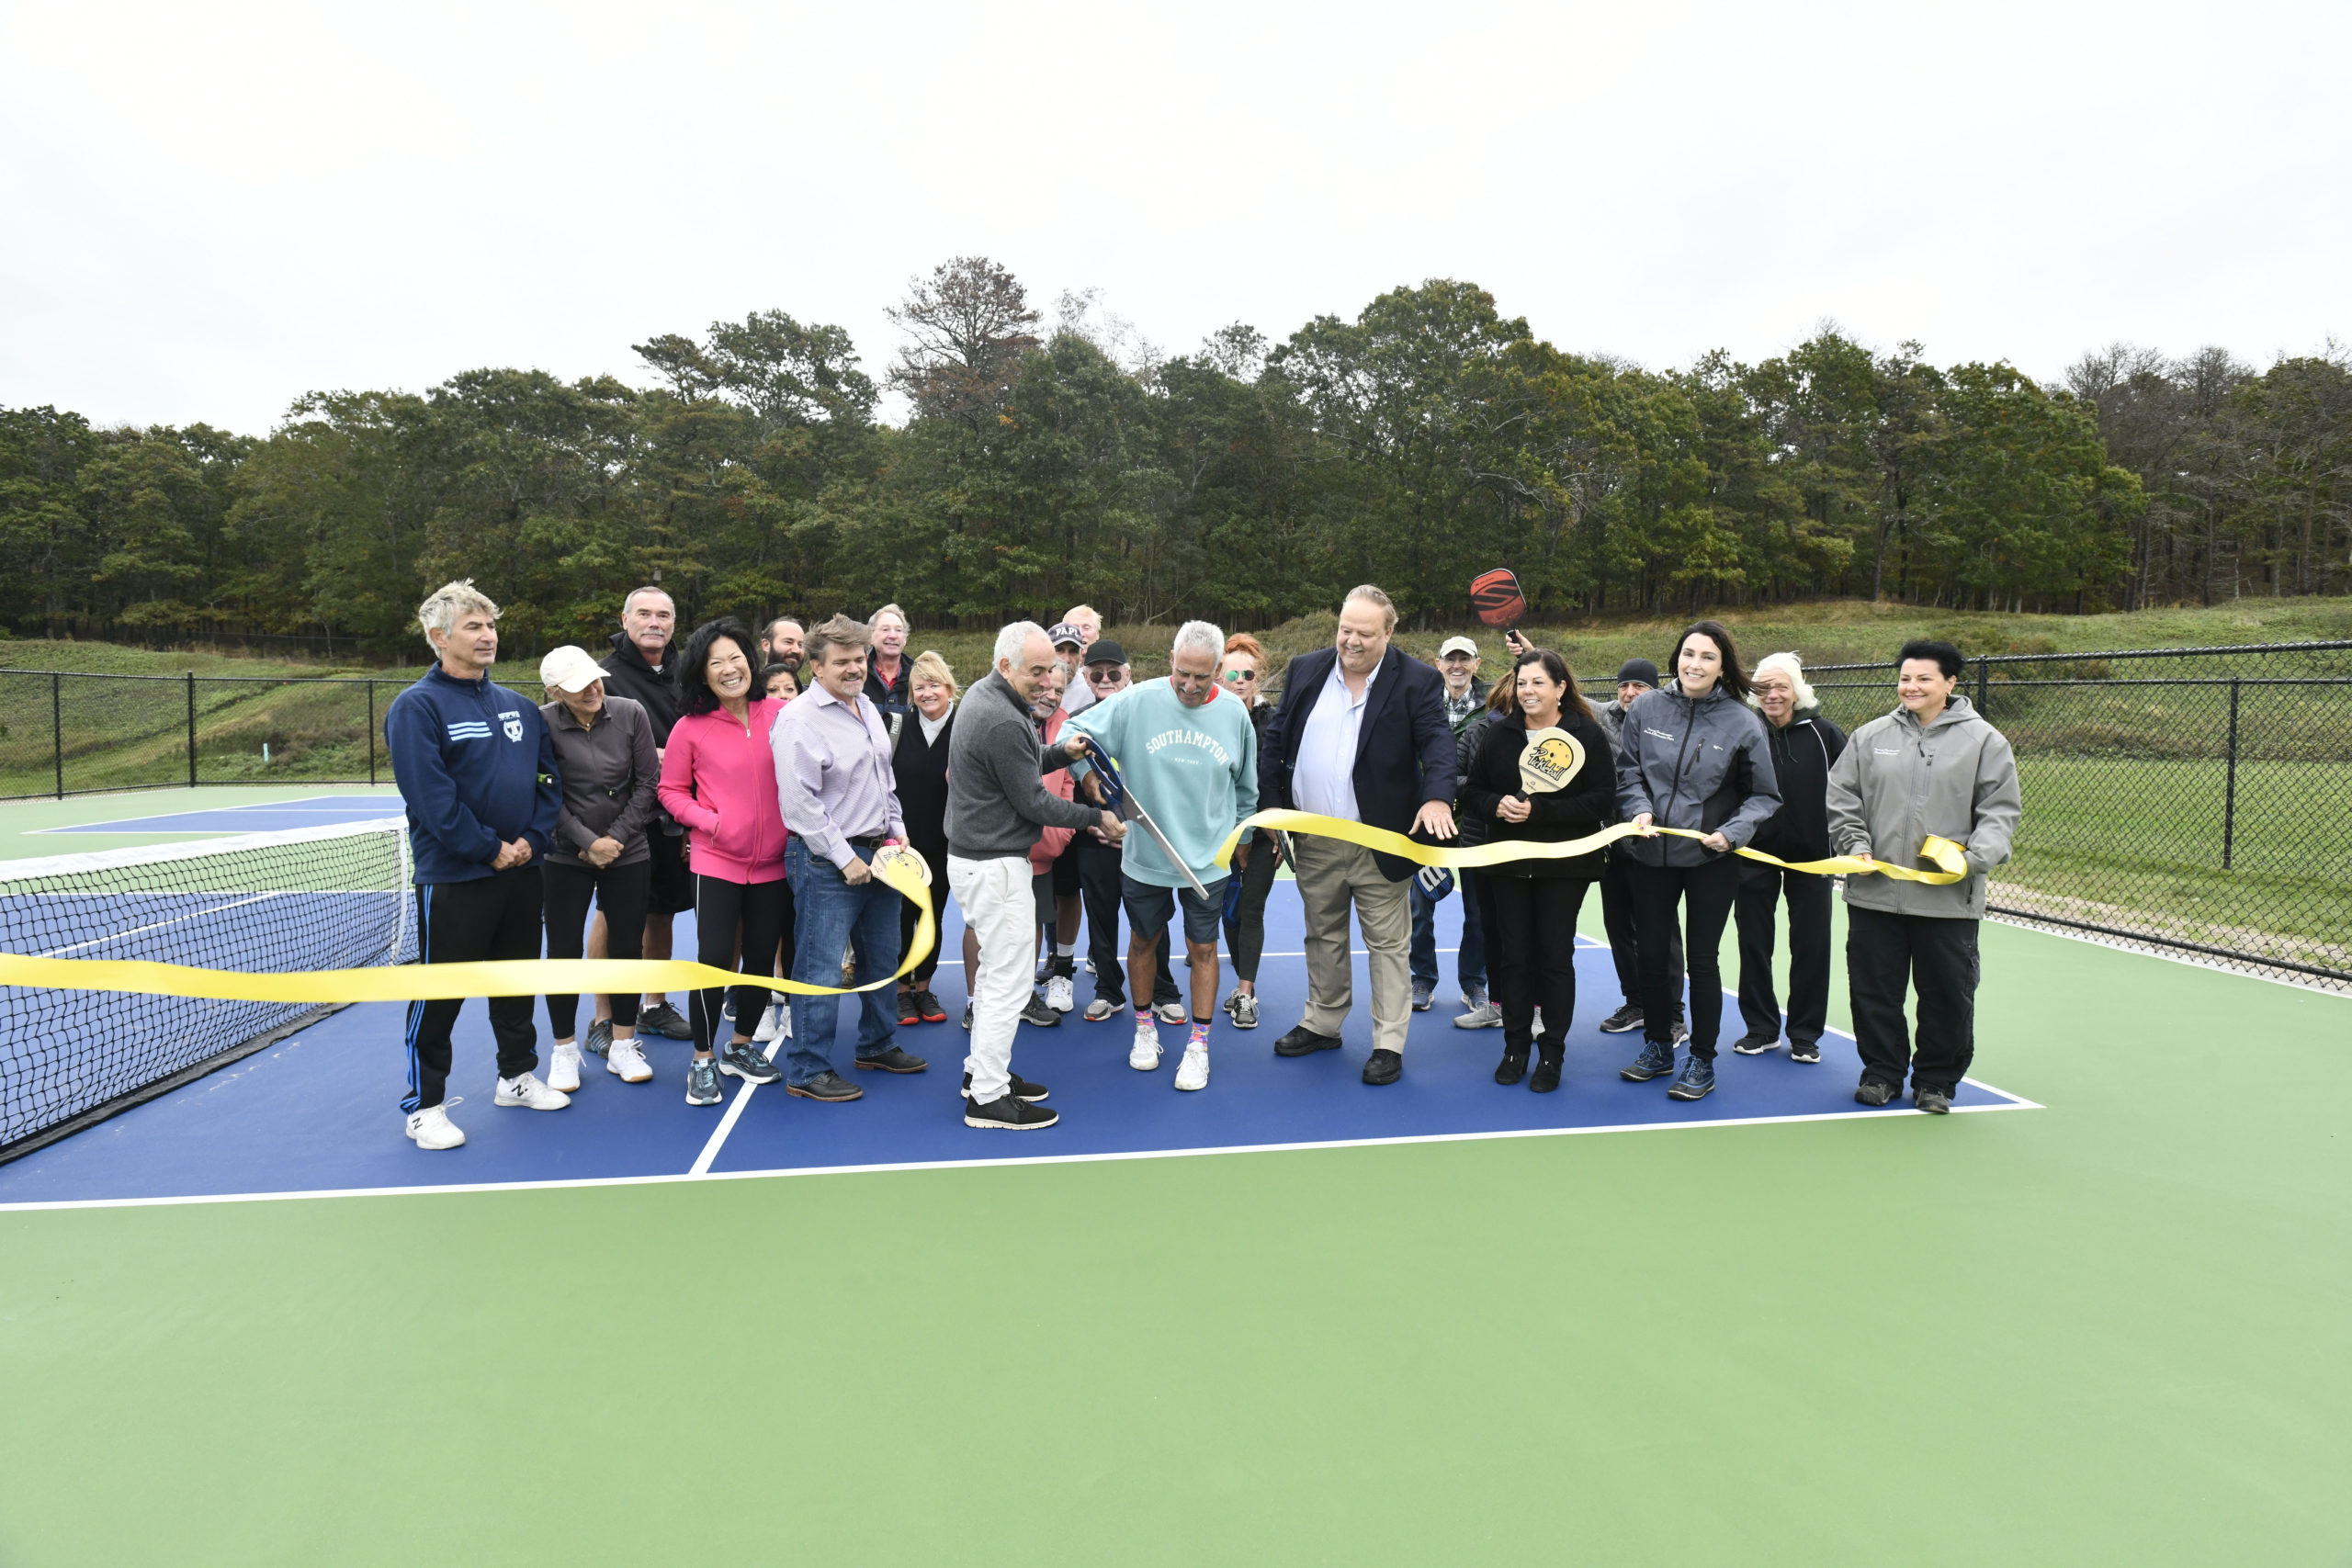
column 628, row 1062
column 784, row 1013
column 1143, row 1057
column 432, row 1128
column 1090, row 966
column 563, row 1070
column 1192, row 1072
column 1060, row 995
column 1171, row 1012
column 769, row 1027
column 1485, row 1015
column 530, row 1093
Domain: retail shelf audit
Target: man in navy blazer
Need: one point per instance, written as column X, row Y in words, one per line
column 1362, row 736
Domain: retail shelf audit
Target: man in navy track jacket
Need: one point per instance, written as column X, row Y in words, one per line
column 477, row 773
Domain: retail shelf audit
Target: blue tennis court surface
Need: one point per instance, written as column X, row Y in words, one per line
column 318, row 1112
column 261, row 817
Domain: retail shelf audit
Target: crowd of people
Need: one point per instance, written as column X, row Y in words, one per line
column 753, row 779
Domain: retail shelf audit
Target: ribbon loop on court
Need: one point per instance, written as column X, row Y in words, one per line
column 900, row 867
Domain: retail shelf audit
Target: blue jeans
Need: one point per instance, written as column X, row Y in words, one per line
column 1471, row 964
column 830, row 915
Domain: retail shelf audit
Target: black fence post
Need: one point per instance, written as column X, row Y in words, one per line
column 371, row 732
column 57, row 728
column 1984, row 673
column 191, row 729
column 2230, row 783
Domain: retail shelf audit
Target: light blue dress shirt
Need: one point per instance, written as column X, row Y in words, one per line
column 1324, row 778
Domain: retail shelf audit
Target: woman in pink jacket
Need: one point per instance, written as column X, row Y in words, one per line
column 719, row 778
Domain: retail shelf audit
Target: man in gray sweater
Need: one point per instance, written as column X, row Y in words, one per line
column 1933, row 765
column 997, row 805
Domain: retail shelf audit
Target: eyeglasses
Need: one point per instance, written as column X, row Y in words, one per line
column 1105, row 673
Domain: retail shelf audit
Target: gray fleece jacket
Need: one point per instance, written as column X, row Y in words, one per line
column 997, row 800
column 1896, row 782
column 1703, row 763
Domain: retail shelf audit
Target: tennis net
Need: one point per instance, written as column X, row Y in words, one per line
column 309, row 899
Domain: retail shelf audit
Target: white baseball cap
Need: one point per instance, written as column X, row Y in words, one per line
column 1457, row 645
column 569, row 668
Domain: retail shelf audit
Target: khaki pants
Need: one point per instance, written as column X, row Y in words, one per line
column 1332, row 876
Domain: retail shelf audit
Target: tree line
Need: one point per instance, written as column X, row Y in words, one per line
column 1044, row 463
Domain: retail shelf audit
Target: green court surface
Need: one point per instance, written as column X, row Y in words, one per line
column 2114, row 1330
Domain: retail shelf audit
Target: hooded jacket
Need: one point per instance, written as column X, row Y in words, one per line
column 1899, row 781
column 719, row 778
column 1803, row 754
column 1702, row 763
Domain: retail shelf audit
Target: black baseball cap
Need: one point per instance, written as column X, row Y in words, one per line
column 1106, row 652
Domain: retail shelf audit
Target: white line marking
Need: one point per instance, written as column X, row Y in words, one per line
column 2016, row 1104
column 312, row 804
column 718, row 1139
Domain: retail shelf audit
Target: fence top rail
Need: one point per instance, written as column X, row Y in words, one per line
column 2122, row 680
column 2225, row 648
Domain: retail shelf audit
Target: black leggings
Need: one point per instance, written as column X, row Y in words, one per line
column 622, row 892
column 764, row 912
column 1532, row 952
column 1245, row 932
column 1707, row 892
column 919, row 977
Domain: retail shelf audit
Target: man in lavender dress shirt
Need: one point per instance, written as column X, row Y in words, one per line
column 834, row 784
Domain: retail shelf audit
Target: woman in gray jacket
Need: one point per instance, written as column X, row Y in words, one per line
column 1692, row 755
column 605, row 760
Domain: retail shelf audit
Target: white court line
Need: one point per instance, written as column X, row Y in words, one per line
column 1309, row 1146
column 718, row 1139
column 306, row 802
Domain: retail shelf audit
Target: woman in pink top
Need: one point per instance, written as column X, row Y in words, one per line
column 719, row 778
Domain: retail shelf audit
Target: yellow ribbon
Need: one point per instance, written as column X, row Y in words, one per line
column 899, row 866
column 1943, row 852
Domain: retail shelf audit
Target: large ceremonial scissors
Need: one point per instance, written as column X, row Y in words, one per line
column 1121, row 799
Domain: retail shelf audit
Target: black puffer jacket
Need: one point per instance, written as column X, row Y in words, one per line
column 627, row 675
column 1803, row 755
column 1582, row 807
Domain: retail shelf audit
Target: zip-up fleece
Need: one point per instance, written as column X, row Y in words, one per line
column 1701, row 763
column 1803, row 754
column 997, row 800
column 475, row 769
column 719, row 778
column 1897, row 782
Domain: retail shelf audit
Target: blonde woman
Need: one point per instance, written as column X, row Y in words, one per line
column 919, row 762
column 1805, row 746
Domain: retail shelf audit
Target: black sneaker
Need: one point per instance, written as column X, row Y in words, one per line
column 829, row 1086
column 1624, row 1021
column 1022, row 1088
column 1656, row 1060
column 927, row 1006
column 1873, row 1092
column 1007, row 1114
column 1386, row 1067
column 1038, row 1013
column 1754, row 1044
column 598, row 1042
column 1511, row 1068
column 968, row 1018
column 1804, row 1049
column 665, row 1020
column 1546, row 1076
column 746, row 1063
column 893, row 1060
column 1305, row 1042
column 1933, row 1101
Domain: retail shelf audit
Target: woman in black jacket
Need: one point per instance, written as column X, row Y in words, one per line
column 1526, row 785
column 919, row 764
column 1242, row 673
column 1805, row 746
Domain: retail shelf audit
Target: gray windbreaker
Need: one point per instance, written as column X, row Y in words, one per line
column 1897, row 782
column 1704, row 764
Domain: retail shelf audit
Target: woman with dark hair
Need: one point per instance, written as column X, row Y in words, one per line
column 918, row 772
column 1691, row 755
column 1240, row 675
column 1502, row 701
column 1542, row 775
column 719, row 778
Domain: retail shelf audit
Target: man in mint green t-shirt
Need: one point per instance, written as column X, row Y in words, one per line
column 1190, row 754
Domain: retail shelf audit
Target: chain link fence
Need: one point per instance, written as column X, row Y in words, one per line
column 2185, row 800
column 2182, row 800
column 64, row 733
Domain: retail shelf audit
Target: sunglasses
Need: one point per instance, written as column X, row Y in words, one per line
column 1105, row 673
column 1235, row 677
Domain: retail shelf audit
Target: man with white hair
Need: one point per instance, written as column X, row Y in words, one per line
column 1087, row 622
column 1190, row 754
column 996, row 806
column 1805, row 746
column 477, row 775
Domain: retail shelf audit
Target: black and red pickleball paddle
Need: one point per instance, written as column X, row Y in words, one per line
column 1495, row 596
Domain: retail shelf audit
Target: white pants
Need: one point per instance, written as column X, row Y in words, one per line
column 1000, row 908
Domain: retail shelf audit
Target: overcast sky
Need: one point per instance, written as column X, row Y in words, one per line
column 208, row 210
